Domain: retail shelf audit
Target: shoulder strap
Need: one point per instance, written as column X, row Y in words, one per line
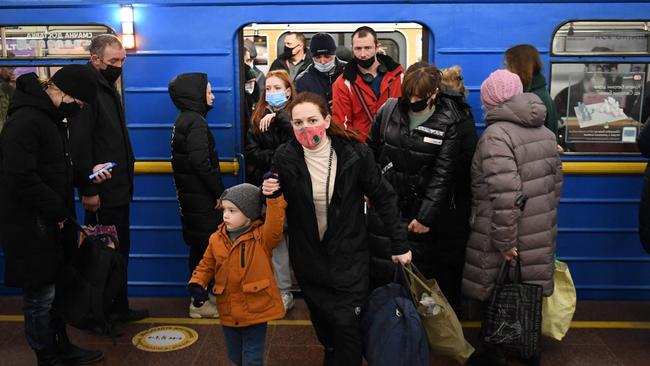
column 357, row 91
column 389, row 108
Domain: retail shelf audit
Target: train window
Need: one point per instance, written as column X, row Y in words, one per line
column 394, row 38
column 601, row 102
column 38, row 41
column 602, row 38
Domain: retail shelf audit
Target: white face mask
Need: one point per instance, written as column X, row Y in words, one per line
column 249, row 87
column 326, row 67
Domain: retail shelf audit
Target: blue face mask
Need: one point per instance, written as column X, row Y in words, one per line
column 276, row 100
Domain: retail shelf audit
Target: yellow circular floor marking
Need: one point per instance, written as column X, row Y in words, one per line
column 165, row 339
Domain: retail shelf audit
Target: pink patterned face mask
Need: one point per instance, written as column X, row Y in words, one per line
column 310, row 137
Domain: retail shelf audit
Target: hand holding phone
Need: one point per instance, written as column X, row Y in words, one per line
column 105, row 168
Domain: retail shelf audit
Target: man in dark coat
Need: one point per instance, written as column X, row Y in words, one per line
column 36, row 200
column 196, row 169
column 295, row 58
column 99, row 134
column 320, row 75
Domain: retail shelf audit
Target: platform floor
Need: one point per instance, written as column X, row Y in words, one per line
column 603, row 333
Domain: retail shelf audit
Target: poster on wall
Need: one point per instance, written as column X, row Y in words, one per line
column 601, row 107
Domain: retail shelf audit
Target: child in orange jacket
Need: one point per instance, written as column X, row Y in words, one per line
column 239, row 259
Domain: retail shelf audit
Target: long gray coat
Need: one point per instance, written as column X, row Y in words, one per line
column 516, row 184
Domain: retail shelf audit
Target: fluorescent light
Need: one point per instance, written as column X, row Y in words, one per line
column 127, row 14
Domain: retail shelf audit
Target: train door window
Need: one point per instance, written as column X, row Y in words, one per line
column 403, row 42
column 601, row 95
column 398, row 40
column 39, row 43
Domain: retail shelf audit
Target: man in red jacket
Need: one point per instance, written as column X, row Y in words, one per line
column 367, row 81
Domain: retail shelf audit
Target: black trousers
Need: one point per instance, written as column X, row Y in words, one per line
column 441, row 255
column 118, row 216
column 196, row 254
column 336, row 323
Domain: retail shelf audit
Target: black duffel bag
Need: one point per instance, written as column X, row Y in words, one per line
column 513, row 318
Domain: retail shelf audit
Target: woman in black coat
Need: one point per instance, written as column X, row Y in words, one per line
column 423, row 143
column 36, row 200
column 196, row 169
column 270, row 125
column 270, row 128
column 325, row 174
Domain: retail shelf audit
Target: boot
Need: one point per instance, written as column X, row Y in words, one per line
column 73, row 355
column 329, row 357
column 48, row 357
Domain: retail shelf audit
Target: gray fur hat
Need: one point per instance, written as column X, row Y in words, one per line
column 247, row 198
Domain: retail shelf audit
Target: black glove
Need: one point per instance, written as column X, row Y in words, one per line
column 198, row 293
column 273, row 175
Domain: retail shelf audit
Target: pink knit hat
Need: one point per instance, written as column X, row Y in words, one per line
column 499, row 87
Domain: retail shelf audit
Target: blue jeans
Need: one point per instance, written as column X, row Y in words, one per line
column 246, row 345
column 40, row 325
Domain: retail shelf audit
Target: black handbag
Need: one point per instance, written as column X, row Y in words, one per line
column 513, row 318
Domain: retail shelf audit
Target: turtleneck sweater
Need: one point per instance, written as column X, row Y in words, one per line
column 317, row 161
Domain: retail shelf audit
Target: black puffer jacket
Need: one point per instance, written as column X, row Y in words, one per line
column 194, row 160
column 260, row 146
column 36, row 187
column 312, row 80
column 419, row 163
column 340, row 261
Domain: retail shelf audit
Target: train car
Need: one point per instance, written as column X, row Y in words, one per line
column 598, row 235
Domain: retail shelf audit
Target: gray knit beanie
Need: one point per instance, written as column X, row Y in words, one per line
column 246, row 197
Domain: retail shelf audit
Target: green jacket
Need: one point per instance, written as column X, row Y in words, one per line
column 538, row 87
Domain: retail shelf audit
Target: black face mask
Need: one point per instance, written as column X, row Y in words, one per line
column 111, row 73
column 419, row 106
column 365, row 63
column 68, row 110
column 288, row 52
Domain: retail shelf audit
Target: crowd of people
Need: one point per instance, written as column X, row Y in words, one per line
column 353, row 167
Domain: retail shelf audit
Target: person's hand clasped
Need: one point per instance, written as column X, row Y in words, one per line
column 417, row 228
column 266, row 121
column 403, row 258
column 271, row 185
column 91, row 203
column 509, row 254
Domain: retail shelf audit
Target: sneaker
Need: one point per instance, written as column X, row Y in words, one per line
column 212, row 297
column 287, row 300
column 207, row 310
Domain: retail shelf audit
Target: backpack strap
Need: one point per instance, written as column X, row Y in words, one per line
column 366, row 109
column 387, row 111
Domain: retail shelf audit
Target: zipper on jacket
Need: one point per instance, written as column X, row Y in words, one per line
column 243, row 254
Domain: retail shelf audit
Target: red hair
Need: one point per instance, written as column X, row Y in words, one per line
column 262, row 105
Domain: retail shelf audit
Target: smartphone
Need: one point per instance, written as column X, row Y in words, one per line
column 107, row 167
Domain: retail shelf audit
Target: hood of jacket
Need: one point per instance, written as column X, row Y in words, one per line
column 538, row 82
column 29, row 93
column 351, row 69
column 524, row 109
column 188, row 92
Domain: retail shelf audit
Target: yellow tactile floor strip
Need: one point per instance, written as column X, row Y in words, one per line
column 182, row 321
